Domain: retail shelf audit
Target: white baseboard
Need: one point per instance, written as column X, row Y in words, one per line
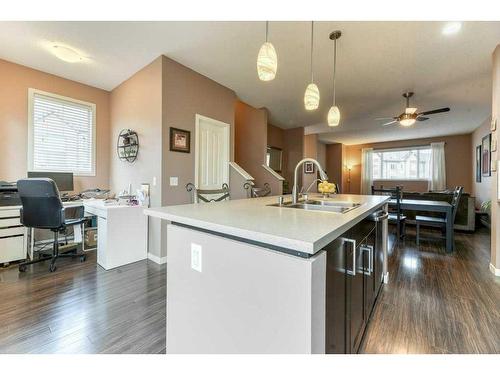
column 494, row 271
column 157, row 259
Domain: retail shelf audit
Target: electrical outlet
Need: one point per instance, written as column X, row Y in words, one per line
column 154, row 181
column 196, row 257
column 174, row 181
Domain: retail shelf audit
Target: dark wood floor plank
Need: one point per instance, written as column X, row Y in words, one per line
column 83, row 309
column 437, row 302
column 434, row 303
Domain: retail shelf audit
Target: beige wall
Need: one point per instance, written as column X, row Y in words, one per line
column 481, row 190
column 293, row 151
column 310, row 151
column 458, row 162
column 15, row 80
column 250, row 140
column 321, row 154
column 291, row 141
column 164, row 94
column 185, row 94
column 495, row 114
column 335, row 164
column 275, row 136
column 137, row 104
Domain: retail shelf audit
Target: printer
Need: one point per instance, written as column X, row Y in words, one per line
column 8, row 194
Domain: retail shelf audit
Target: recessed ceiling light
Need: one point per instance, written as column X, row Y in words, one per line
column 451, row 28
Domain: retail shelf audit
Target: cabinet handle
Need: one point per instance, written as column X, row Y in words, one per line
column 368, row 248
column 353, row 243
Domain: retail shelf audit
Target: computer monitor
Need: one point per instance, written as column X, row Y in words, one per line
column 63, row 180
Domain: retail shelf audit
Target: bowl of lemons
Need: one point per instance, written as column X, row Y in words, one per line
column 326, row 188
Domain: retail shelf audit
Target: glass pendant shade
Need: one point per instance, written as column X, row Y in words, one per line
column 407, row 121
column 334, row 116
column 267, row 62
column 311, row 97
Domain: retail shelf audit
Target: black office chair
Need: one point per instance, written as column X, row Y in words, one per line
column 42, row 208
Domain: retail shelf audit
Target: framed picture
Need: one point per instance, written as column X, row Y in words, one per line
column 493, row 125
column 478, row 163
column 308, row 167
column 493, row 144
column 486, row 155
column 180, row 140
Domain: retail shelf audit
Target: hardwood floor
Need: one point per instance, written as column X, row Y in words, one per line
column 434, row 303
column 81, row 308
column 437, row 302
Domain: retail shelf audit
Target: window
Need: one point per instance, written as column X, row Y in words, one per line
column 402, row 164
column 61, row 134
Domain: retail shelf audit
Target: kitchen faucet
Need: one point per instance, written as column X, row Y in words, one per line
column 295, row 190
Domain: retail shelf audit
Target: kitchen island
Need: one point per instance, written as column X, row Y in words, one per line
column 254, row 276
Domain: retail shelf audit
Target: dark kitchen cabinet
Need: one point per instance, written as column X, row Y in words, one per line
column 378, row 264
column 336, row 340
column 368, row 252
column 351, row 285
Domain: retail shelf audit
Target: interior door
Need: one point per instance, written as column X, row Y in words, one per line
column 211, row 153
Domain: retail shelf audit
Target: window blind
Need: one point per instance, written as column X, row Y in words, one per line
column 62, row 135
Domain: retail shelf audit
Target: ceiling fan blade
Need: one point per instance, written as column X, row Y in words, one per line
column 435, row 111
column 422, row 118
column 410, row 111
column 386, row 118
column 390, row 123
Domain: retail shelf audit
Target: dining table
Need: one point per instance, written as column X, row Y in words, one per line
column 431, row 206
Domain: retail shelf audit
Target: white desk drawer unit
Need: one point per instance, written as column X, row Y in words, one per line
column 121, row 233
column 12, row 236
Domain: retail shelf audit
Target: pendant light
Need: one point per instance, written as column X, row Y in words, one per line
column 334, row 112
column 311, row 96
column 267, row 60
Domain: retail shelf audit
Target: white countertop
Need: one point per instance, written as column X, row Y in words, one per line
column 295, row 229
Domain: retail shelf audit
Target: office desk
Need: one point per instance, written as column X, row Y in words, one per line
column 431, row 206
column 121, row 233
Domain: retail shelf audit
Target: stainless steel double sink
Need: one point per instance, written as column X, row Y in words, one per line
column 320, row 205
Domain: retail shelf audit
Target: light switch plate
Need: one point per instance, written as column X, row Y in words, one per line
column 196, row 257
column 174, row 181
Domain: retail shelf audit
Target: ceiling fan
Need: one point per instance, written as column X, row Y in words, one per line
column 410, row 115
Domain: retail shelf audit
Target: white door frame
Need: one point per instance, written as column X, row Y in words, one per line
column 227, row 128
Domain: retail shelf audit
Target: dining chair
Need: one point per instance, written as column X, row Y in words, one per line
column 257, row 192
column 208, row 195
column 439, row 222
column 395, row 214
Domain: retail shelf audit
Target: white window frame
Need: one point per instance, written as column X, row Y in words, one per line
column 31, row 141
column 409, row 148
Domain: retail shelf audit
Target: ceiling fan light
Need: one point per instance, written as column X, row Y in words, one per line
column 267, row 62
column 334, row 116
column 311, row 97
column 407, row 121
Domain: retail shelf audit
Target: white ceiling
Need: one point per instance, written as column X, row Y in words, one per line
column 377, row 61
